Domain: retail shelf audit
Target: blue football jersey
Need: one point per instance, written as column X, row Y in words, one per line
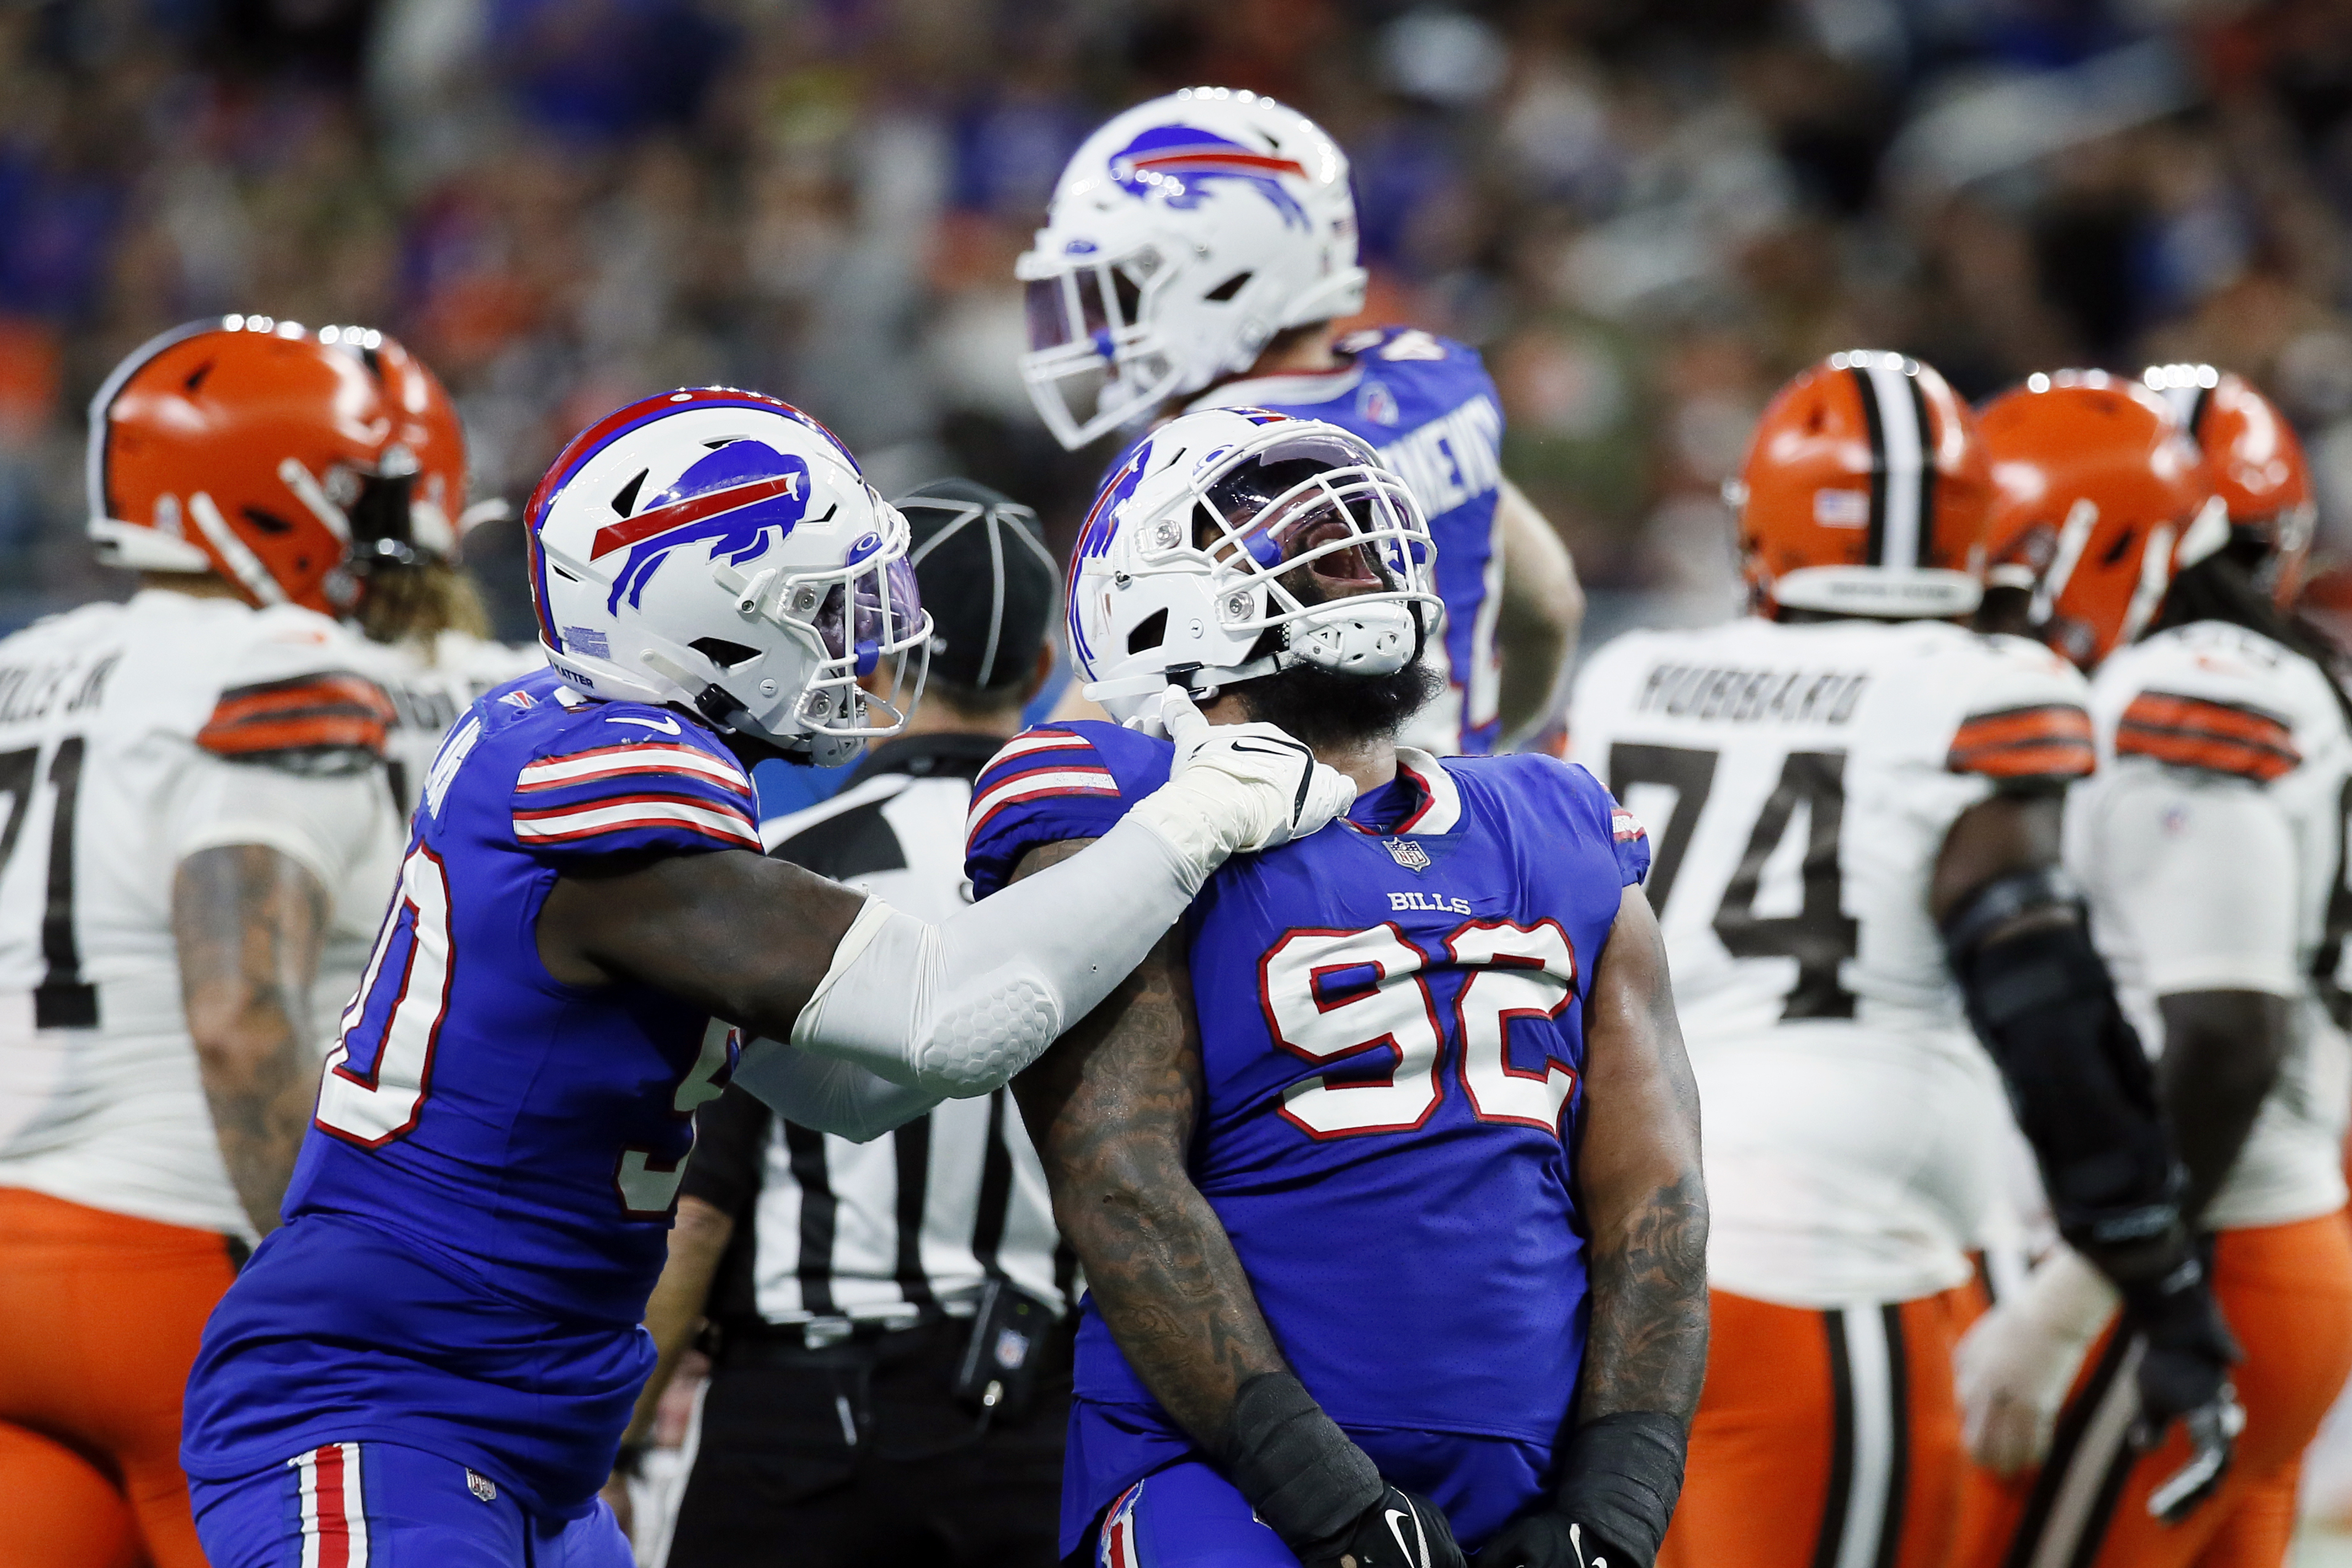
column 1427, row 405
column 483, row 1201
column 1392, row 1017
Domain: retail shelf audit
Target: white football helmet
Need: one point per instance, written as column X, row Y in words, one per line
column 1211, row 553
column 1181, row 236
column 721, row 550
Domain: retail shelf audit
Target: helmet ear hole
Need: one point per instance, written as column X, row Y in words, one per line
column 722, row 652
column 1223, row 292
column 1149, row 632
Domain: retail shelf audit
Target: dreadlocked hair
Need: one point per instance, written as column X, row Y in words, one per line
column 419, row 601
column 2220, row 588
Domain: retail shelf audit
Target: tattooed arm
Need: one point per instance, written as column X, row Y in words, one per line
column 1110, row 1107
column 248, row 923
column 1637, row 1172
column 1638, row 1184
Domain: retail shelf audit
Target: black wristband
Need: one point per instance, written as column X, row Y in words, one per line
column 1307, row 1481
column 1621, row 1478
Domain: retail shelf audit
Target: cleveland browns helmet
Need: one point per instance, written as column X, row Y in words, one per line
column 2254, row 461
column 426, row 425
column 243, row 447
column 1864, row 493
column 2100, row 498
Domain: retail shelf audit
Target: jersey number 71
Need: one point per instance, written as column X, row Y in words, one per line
column 1331, row 994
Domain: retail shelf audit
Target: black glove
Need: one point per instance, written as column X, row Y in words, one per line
column 1618, row 1480
column 2184, row 1376
column 1401, row 1531
column 1551, row 1540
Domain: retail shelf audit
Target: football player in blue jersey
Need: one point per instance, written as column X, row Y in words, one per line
column 1384, row 1167
column 432, row 1361
column 1200, row 251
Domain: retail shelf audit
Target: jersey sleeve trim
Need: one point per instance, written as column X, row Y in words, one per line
column 608, row 815
column 633, row 796
column 330, row 712
column 2200, row 732
column 2045, row 740
column 1037, row 766
column 621, row 761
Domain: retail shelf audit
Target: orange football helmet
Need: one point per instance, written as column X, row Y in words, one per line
column 2254, row 461
column 2100, row 498
column 1864, row 493
column 426, row 424
column 241, row 447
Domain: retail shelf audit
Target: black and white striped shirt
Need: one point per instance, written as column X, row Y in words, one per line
column 910, row 1224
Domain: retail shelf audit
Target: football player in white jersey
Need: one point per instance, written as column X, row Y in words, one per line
column 2212, row 847
column 417, row 606
column 194, row 809
column 1852, row 799
column 1199, row 253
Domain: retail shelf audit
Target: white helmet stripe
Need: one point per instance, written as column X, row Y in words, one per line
column 1899, row 433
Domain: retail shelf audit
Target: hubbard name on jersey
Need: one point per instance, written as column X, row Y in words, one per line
column 1799, row 779
column 2217, row 743
column 1428, row 406
column 481, row 1120
column 1393, row 1037
column 132, row 737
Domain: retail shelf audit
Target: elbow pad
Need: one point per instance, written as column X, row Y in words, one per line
column 957, row 1008
column 2083, row 1092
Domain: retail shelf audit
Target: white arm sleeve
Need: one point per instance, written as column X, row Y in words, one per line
column 831, row 1095
column 2203, row 870
column 957, row 1008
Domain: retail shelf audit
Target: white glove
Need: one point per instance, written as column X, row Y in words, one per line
column 1238, row 788
column 2016, row 1363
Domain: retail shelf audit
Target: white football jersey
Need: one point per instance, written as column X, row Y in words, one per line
column 1797, row 782
column 430, row 684
column 131, row 737
column 2212, row 847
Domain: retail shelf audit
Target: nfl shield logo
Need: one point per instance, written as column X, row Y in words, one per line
column 1408, row 854
column 482, row 1486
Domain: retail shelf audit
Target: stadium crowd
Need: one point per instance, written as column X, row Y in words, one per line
column 1647, row 216
column 1646, row 213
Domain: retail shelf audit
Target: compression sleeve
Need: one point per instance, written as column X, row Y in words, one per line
column 825, row 1092
column 958, row 1007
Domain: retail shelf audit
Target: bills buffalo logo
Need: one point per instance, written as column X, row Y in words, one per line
column 742, row 498
column 1177, row 163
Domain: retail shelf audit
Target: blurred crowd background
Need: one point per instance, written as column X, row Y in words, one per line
column 1646, row 212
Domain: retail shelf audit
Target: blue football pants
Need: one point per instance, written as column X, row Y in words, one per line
column 378, row 1505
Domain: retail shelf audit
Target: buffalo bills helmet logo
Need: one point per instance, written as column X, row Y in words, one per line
column 742, row 498
column 1176, row 162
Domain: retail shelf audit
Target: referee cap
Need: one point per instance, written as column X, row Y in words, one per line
column 987, row 577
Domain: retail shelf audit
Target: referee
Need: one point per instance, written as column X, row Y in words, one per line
column 890, row 1374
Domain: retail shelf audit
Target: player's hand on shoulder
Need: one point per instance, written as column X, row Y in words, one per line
column 1249, row 785
column 1399, row 1531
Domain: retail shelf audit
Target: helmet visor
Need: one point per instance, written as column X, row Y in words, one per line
column 876, row 613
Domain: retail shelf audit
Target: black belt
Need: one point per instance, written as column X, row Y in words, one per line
column 865, row 1345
